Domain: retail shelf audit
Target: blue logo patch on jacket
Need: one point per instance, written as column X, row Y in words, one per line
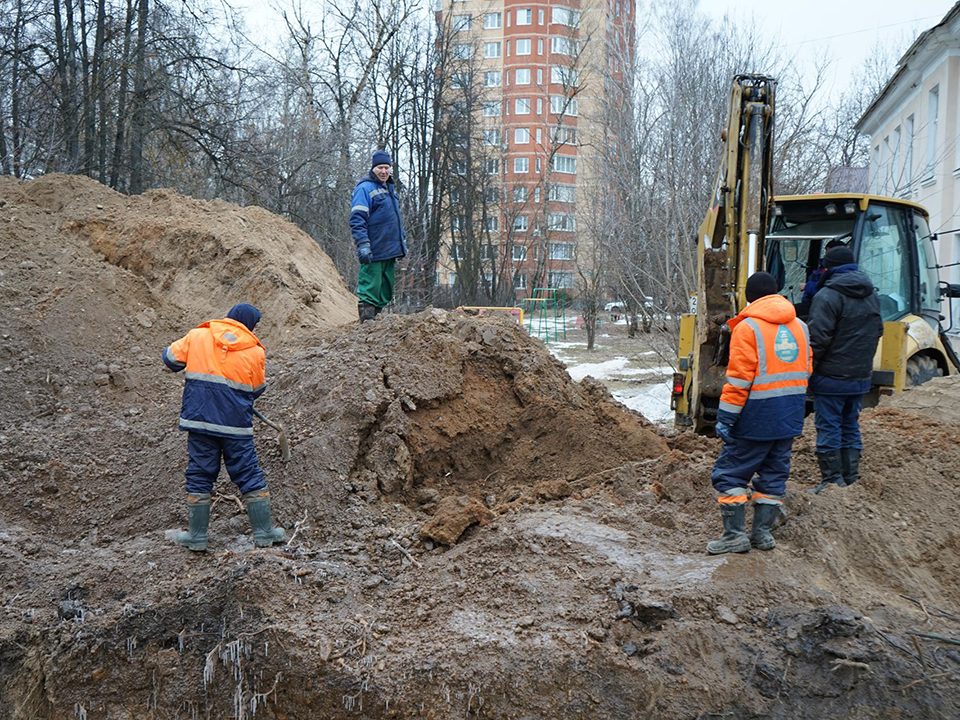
column 786, row 347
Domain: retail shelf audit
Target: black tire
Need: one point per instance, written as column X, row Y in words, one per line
column 921, row 369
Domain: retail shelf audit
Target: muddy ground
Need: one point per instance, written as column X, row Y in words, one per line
column 474, row 534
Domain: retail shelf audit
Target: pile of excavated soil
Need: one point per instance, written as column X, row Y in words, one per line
column 473, row 533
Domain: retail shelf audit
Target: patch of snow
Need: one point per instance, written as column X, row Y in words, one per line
column 598, row 371
column 651, row 401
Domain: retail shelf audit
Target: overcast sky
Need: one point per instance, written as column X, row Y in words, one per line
column 846, row 30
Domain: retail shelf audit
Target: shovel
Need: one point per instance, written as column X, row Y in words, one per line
column 284, row 442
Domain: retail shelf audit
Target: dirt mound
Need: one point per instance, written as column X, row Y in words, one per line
column 472, row 533
column 935, row 399
column 196, row 256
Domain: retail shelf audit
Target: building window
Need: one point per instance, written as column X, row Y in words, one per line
column 491, row 50
column 451, row 279
column 457, row 252
column 565, row 16
column 491, row 137
column 540, row 46
column 564, row 135
column 521, row 76
column 458, row 223
column 520, row 194
column 491, row 21
column 460, row 80
column 462, row 52
column 539, row 108
column 561, row 251
column 933, row 111
column 561, row 105
column 523, row 46
column 563, row 46
column 540, row 13
column 538, row 165
column 908, row 160
column 459, row 168
column 536, row 194
column 524, row 17
column 518, row 252
column 493, row 166
column 561, row 222
column 491, row 195
column 895, row 174
column 522, row 106
column 521, row 136
column 560, row 280
column 539, row 136
column 564, row 76
column 539, row 76
column 617, row 12
column 491, row 78
column 562, row 193
column 520, row 282
column 491, row 224
column 884, row 165
column 520, row 225
column 462, row 22
column 521, row 165
column 491, row 108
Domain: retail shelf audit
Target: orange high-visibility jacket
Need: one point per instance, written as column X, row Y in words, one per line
column 225, row 372
column 770, row 360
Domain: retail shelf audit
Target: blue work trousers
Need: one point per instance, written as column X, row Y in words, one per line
column 837, row 420
column 239, row 455
column 741, row 460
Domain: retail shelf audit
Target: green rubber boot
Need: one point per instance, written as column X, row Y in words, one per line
column 258, row 508
column 734, row 538
column 764, row 515
column 850, row 465
column 366, row 311
column 198, row 514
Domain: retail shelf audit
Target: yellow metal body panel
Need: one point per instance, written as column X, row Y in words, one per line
column 891, row 354
column 862, row 199
column 685, row 350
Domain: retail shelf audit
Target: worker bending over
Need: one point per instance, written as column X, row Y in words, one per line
column 761, row 412
column 225, row 373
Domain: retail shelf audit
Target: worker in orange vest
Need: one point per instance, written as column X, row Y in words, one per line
column 225, row 373
column 761, row 412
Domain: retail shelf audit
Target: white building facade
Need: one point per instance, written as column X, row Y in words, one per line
column 914, row 129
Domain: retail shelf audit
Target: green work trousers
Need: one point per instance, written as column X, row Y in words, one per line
column 375, row 282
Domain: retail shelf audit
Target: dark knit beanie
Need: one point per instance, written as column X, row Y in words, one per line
column 838, row 256
column 760, row 285
column 380, row 157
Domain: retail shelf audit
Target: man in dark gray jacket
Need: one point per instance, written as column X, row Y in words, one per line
column 845, row 327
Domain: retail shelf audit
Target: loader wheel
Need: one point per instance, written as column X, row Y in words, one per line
column 921, row 369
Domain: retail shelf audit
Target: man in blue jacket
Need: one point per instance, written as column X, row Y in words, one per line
column 378, row 233
column 845, row 327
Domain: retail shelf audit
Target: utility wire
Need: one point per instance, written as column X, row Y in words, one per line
column 857, row 32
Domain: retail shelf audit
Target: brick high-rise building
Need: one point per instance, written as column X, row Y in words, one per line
column 532, row 80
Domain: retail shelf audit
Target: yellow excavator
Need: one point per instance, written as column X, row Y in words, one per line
column 747, row 229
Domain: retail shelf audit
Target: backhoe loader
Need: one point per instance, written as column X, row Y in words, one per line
column 747, row 229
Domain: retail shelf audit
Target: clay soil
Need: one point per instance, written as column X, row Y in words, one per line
column 472, row 534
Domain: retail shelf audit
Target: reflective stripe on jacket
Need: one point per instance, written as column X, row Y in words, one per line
column 225, row 372
column 770, row 361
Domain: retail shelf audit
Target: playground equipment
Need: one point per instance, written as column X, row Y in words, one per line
column 545, row 318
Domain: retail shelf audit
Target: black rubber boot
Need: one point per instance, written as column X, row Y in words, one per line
column 367, row 311
column 850, row 465
column 764, row 515
column 198, row 518
column 734, row 538
column 258, row 509
column 831, row 471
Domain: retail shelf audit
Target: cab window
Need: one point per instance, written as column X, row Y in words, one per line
column 885, row 257
column 929, row 277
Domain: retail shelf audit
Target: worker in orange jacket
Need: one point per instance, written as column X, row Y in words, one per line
column 761, row 412
column 225, row 372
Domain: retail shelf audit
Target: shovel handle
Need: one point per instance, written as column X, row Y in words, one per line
column 284, row 442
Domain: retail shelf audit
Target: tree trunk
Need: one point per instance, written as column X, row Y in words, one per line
column 119, row 139
column 139, row 102
column 88, row 119
column 590, row 324
column 99, row 87
column 15, row 91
